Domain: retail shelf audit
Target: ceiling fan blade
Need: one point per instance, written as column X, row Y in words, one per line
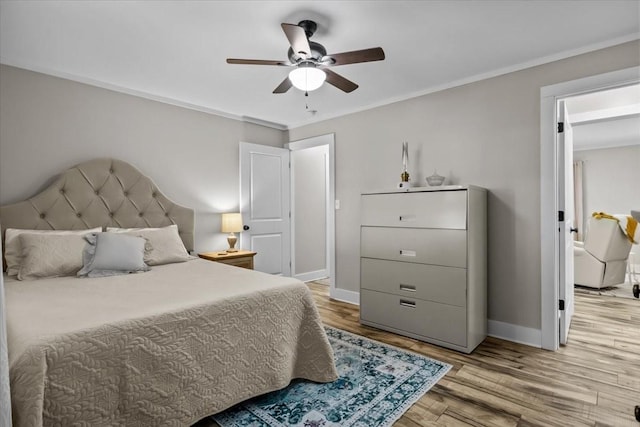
column 284, row 86
column 340, row 82
column 256, row 62
column 298, row 39
column 356, row 56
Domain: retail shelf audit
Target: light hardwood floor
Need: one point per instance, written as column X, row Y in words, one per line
column 592, row 381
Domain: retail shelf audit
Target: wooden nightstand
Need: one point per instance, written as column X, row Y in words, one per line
column 241, row 258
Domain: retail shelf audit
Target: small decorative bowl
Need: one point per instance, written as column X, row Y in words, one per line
column 435, row 179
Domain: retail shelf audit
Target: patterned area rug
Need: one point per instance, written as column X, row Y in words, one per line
column 377, row 384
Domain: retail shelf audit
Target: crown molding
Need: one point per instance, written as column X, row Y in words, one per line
column 140, row 94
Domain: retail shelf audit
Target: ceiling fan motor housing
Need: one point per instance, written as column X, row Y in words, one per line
column 317, row 53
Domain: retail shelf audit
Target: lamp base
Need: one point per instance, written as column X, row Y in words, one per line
column 232, row 239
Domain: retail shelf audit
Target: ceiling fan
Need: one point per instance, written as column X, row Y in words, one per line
column 311, row 62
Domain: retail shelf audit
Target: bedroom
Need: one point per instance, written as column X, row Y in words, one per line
column 448, row 128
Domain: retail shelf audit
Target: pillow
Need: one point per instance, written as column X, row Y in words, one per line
column 50, row 255
column 165, row 244
column 110, row 254
column 13, row 249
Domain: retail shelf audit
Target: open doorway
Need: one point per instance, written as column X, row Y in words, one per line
column 606, row 169
column 552, row 218
column 313, row 210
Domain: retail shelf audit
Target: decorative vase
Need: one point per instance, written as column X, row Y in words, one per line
column 404, row 177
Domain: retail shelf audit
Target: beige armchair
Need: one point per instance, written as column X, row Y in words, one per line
column 602, row 260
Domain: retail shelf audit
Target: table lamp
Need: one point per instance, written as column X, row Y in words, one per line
column 231, row 223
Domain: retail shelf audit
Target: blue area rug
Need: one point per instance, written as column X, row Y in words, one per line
column 377, row 384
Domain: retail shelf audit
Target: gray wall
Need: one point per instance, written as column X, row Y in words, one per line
column 309, row 185
column 485, row 133
column 48, row 124
column 611, row 180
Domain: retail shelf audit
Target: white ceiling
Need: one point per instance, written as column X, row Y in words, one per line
column 175, row 50
column 605, row 119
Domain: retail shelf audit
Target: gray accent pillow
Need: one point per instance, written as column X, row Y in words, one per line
column 110, row 254
column 164, row 244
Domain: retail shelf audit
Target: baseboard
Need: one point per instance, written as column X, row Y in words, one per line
column 345, row 296
column 502, row 330
column 312, row 275
column 515, row 333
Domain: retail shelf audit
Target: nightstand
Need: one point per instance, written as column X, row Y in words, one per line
column 241, row 258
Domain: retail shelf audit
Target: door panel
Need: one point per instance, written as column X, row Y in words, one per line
column 264, row 203
column 565, row 204
column 269, row 246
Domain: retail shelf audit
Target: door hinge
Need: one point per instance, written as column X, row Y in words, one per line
column 561, row 305
column 560, row 216
column 289, row 214
column 560, row 127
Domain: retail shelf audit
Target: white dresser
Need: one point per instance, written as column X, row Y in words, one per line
column 423, row 264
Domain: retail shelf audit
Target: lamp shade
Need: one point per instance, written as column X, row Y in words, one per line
column 231, row 222
column 307, row 78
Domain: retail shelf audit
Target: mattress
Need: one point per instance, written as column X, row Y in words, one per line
column 165, row 347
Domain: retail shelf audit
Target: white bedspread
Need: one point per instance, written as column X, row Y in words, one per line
column 166, row 347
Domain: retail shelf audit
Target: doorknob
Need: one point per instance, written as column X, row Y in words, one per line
column 573, row 230
column 245, row 228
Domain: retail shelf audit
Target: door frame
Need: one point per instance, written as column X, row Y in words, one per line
column 549, row 189
column 317, row 141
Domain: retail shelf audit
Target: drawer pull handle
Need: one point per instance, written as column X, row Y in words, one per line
column 407, row 217
column 408, row 288
column 405, row 303
column 405, row 252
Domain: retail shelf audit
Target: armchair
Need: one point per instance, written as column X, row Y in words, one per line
column 602, row 260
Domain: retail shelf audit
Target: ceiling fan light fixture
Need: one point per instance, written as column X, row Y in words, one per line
column 307, row 78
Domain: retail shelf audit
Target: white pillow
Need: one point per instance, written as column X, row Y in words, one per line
column 112, row 254
column 165, row 244
column 13, row 248
column 50, row 255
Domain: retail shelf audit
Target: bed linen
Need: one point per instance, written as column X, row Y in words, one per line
column 165, row 347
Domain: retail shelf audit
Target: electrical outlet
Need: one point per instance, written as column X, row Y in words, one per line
column 337, row 204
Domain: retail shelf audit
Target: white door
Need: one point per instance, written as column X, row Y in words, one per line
column 264, row 203
column 565, row 228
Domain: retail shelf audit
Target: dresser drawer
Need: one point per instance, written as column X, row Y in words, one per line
column 429, row 319
column 426, row 246
column 435, row 283
column 438, row 209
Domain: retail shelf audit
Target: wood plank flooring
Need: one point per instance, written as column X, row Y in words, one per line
column 592, row 381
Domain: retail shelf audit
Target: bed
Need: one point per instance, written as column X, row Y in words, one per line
column 167, row 346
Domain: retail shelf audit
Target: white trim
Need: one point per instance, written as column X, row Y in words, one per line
column 316, row 141
column 515, row 333
column 589, row 117
column 311, row 275
column 141, row 94
column 344, row 295
column 478, row 77
column 498, row 72
column 549, row 95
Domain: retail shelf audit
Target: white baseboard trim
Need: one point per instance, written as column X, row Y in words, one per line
column 515, row 333
column 345, row 296
column 502, row 330
column 312, row 275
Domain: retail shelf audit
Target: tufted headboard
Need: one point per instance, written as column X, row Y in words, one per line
column 99, row 193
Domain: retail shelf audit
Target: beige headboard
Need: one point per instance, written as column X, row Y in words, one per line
column 99, row 193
